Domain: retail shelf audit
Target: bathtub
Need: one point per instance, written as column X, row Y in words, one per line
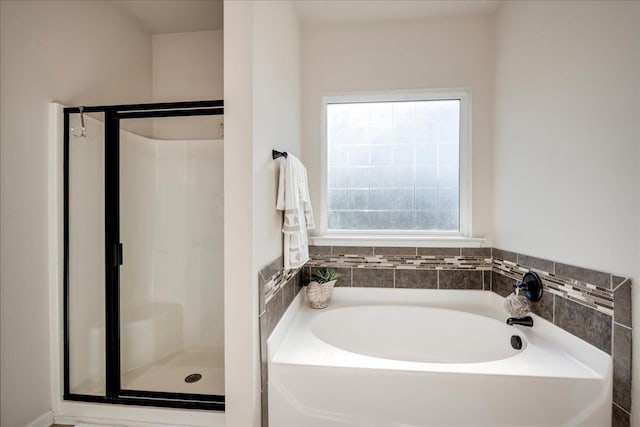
column 416, row 357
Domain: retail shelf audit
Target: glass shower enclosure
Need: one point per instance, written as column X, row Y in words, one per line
column 143, row 254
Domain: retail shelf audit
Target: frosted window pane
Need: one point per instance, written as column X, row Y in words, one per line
column 403, row 177
column 358, row 155
column 403, row 155
column 402, row 220
column 447, row 220
column 427, row 199
column 448, row 176
column 338, row 200
column 448, row 198
column 392, row 200
column 394, row 165
column 381, row 124
column 448, row 154
column 359, row 200
column 358, row 177
column 426, row 176
column 334, row 221
column 337, row 155
column 426, row 220
column 381, row 220
column 381, row 155
column 426, row 154
column 338, row 177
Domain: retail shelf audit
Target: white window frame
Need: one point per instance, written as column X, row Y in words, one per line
column 460, row 238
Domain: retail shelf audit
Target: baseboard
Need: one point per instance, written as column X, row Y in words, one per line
column 92, row 425
column 110, row 422
column 103, row 422
column 44, row 420
column 71, row 413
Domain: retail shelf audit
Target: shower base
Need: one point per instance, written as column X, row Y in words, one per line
column 169, row 374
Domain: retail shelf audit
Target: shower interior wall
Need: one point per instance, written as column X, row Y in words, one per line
column 171, row 197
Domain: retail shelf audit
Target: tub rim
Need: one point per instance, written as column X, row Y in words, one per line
column 572, row 357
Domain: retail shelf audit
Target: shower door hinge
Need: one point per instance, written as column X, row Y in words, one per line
column 117, row 254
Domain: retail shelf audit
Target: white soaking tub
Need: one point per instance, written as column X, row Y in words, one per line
column 416, row 357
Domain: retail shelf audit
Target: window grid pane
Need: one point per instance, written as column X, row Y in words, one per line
column 394, row 165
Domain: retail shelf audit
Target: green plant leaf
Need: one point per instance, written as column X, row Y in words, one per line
column 326, row 275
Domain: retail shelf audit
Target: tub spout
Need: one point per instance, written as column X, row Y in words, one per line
column 524, row 321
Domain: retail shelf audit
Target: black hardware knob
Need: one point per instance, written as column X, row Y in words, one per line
column 516, row 342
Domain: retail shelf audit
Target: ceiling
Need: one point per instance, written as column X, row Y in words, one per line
column 174, row 16
column 177, row 16
column 359, row 11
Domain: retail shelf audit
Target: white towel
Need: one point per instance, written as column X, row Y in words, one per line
column 294, row 200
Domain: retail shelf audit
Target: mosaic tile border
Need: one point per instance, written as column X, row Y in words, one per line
column 421, row 262
column 277, row 282
column 592, row 296
column 599, row 296
column 276, row 290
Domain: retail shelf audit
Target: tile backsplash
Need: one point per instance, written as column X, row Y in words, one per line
column 577, row 284
column 400, row 267
column 593, row 305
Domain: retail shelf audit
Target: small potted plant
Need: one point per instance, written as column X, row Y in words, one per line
column 319, row 289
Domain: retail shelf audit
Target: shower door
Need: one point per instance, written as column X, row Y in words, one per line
column 143, row 306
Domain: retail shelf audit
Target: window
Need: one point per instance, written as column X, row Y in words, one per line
column 397, row 163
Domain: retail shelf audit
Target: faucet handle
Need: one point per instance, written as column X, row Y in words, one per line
column 531, row 285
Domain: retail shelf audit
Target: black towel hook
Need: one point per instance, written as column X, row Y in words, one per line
column 275, row 154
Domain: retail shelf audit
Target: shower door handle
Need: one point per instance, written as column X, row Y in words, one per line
column 117, row 254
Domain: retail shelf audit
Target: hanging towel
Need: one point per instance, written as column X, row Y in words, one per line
column 294, row 200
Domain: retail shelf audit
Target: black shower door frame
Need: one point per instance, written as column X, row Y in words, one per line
column 114, row 393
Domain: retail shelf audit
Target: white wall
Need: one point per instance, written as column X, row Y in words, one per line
column 276, row 117
column 187, row 67
column 75, row 53
column 262, row 112
column 240, row 341
column 430, row 53
column 567, row 134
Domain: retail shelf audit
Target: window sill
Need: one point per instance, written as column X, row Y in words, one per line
column 398, row 241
